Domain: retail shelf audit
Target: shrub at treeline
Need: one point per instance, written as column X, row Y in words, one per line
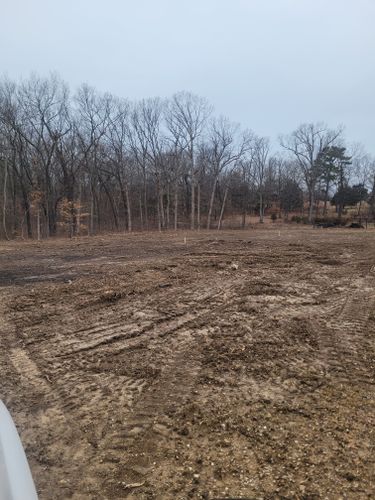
column 85, row 162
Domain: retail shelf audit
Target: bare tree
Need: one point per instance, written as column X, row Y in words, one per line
column 186, row 119
column 226, row 148
column 4, row 161
column 152, row 163
column 364, row 173
column 147, row 143
column 92, row 117
column 261, row 152
column 176, row 162
column 120, row 163
column 305, row 144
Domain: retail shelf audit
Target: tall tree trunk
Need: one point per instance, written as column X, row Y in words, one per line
column 145, row 200
column 47, row 218
column 341, row 187
column 311, row 204
column 26, row 207
column 176, row 209
column 97, row 211
column 50, row 205
column 325, row 200
column 168, row 207
column 192, row 222
column 159, row 214
column 5, row 198
column 14, row 203
column 140, row 211
column 244, row 207
column 199, row 206
column 113, row 207
column 210, row 206
column 91, row 211
column 124, row 200
column 162, row 213
column 111, row 203
column 261, row 213
column 129, row 212
column 222, row 209
column 47, row 207
column 79, row 208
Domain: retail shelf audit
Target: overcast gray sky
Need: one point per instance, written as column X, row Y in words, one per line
column 268, row 64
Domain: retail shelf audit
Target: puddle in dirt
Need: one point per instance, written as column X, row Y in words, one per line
column 17, row 278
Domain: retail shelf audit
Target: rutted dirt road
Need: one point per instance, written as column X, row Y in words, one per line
column 239, row 365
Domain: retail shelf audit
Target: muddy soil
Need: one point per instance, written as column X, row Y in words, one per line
column 237, row 365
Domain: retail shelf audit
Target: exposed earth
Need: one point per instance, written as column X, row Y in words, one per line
column 238, row 365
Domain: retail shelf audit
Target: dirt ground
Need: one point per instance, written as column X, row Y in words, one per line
column 238, row 365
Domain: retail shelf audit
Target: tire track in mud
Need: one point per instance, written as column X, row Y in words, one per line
column 104, row 334
column 123, row 420
column 135, row 444
column 339, row 324
column 147, row 426
column 128, row 447
column 110, row 414
column 11, row 357
column 74, row 407
column 343, row 332
column 107, row 334
column 28, row 370
column 39, row 415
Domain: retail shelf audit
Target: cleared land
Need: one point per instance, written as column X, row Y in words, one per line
column 239, row 365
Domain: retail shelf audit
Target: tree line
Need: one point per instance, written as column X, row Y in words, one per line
column 86, row 162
